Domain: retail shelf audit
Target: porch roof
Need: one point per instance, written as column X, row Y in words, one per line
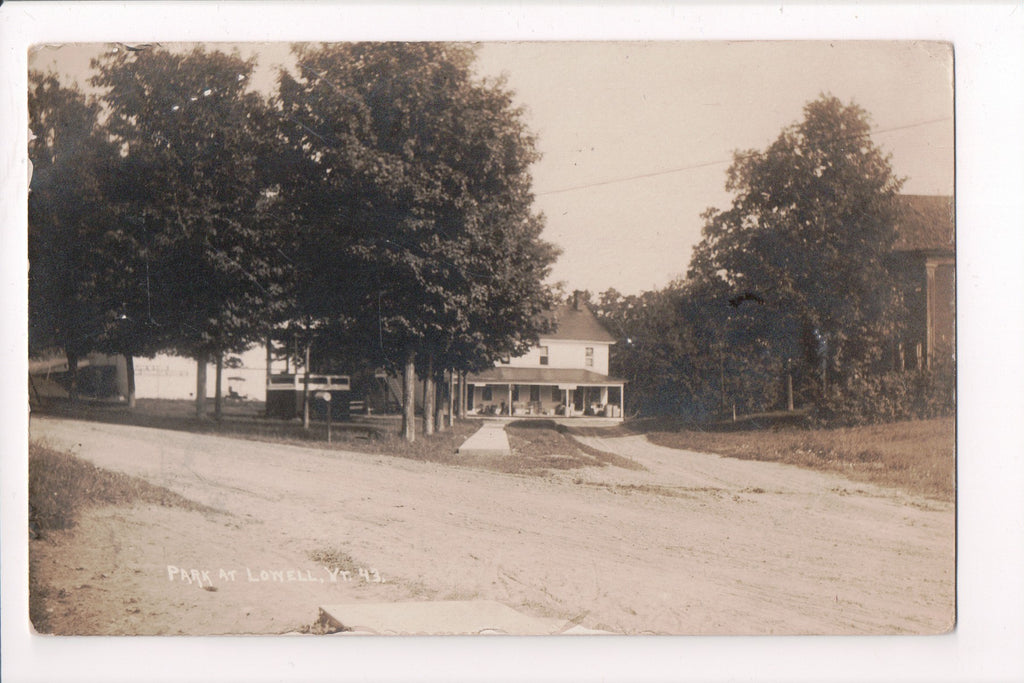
column 552, row 376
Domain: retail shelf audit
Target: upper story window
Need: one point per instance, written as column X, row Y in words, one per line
column 543, row 355
column 505, row 360
column 588, row 356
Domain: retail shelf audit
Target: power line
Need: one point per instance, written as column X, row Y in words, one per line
column 705, row 164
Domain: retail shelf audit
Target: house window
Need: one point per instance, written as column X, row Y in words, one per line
column 543, row 355
column 589, row 357
column 487, row 394
column 505, row 360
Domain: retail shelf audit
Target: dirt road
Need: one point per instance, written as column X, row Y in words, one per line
column 697, row 544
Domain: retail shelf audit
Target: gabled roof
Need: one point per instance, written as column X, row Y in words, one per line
column 552, row 376
column 576, row 322
column 925, row 223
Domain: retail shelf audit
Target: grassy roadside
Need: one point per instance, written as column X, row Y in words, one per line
column 917, row 456
column 538, row 446
column 60, row 487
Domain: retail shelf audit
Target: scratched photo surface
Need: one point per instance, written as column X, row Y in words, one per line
column 493, row 338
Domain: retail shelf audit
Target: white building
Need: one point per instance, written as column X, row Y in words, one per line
column 566, row 373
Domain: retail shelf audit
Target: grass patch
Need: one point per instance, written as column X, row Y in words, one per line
column 334, row 559
column 539, row 445
column 917, row 456
column 61, row 485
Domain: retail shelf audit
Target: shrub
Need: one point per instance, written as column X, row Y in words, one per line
column 875, row 398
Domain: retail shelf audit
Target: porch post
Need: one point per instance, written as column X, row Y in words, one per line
column 509, row 399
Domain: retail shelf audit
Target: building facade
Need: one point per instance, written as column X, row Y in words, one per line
column 924, row 259
column 565, row 374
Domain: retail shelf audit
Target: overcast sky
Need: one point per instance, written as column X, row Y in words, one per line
column 636, row 137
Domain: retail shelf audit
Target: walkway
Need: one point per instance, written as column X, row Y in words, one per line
column 490, row 439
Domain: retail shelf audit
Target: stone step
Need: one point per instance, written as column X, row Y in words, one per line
column 450, row 617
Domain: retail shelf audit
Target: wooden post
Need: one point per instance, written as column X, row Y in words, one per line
column 305, row 390
column 270, row 363
column 789, row 391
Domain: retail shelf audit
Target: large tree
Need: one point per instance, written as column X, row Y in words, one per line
column 70, row 228
column 417, row 174
column 797, row 263
column 192, row 198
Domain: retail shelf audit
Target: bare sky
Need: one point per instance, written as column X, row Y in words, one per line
column 636, row 136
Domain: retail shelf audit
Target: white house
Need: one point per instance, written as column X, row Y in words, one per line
column 566, row 373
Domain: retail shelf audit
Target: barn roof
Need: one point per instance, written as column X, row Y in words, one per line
column 925, row 223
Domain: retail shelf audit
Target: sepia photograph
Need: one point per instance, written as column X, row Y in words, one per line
column 594, row 340
column 526, row 338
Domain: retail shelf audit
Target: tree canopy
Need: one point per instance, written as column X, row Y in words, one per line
column 408, row 182
column 189, row 195
column 67, row 219
column 381, row 198
column 800, row 255
column 424, row 200
column 788, row 292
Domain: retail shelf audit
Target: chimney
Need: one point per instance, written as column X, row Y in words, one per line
column 576, row 295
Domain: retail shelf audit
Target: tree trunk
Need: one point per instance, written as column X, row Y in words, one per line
column 463, row 395
column 201, row 386
column 439, row 420
column 305, row 391
column 428, row 396
column 35, row 390
column 72, row 377
column 218, row 401
column 451, row 398
column 129, row 369
column 409, row 397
